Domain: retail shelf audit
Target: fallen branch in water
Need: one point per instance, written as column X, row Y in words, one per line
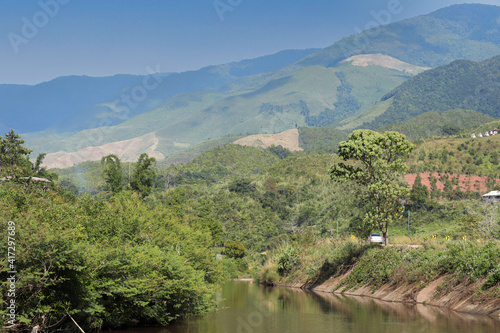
column 75, row 322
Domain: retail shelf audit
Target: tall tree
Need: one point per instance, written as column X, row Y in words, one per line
column 144, row 174
column 11, row 153
column 37, row 168
column 419, row 194
column 376, row 162
column 112, row 172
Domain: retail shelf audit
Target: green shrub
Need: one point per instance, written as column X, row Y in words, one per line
column 493, row 279
column 288, row 259
column 235, row 249
column 269, row 274
column 471, row 260
column 375, row 266
column 230, row 267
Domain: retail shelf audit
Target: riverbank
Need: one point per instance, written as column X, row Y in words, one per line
column 465, row 297
column 463, row 277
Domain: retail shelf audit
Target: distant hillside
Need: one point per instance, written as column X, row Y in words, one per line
column 383, row 60
column 436, row 124
column 462, row 84
column 313, row 96
column 127, row 151
column 469, row 31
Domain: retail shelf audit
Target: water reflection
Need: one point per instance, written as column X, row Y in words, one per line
column 247, row 307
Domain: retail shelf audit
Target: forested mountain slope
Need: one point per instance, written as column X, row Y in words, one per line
column 462, row 84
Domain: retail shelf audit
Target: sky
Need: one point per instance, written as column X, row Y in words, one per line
column 44, row 39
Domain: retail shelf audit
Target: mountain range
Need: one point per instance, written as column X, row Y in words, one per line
column 432, row 63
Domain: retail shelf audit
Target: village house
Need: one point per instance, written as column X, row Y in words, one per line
column 487, row 133
column 493, row 196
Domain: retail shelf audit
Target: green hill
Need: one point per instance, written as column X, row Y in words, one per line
column 462, row 84
column 435, row 124
column 186, row 155
column 313, row 96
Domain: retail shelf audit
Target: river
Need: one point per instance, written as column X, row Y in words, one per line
column 248, row 307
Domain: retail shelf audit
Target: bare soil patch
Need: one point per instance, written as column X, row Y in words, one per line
column 466, row 183
column 127, row 150
column 386, row 61
column 288, row 139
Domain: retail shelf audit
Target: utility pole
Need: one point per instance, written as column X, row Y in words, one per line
column 408, row 223
column 337, row 227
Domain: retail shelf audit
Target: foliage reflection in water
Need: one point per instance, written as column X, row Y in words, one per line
column 247, row 307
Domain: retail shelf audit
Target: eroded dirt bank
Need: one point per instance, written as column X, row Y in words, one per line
column 461, row 297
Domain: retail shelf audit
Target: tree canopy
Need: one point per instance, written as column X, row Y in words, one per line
column 112, row 172
column 11, row 153
column 144, row 174
column 376, row 162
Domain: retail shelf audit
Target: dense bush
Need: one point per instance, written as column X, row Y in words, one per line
column 269, row 274
column 375, row 266
column 288, row 259
column 235, row 249
column 470, row 260
column 107, row 264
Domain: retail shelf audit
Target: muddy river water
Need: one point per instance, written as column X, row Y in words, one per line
column 248, row 307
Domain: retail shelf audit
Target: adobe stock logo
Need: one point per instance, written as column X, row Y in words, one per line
column 31, row 27
column 223, row 6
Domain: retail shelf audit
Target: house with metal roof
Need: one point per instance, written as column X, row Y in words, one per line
column 493, row 196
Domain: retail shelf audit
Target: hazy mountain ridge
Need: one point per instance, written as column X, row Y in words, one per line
column 27, row 108
column 74, row 103
column 468, row 31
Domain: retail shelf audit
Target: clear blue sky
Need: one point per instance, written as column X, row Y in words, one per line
column 105, row 37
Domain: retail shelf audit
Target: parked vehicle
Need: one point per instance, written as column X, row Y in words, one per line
column 376, row 238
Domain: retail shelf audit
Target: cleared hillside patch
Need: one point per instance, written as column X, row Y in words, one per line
column 288, row 139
